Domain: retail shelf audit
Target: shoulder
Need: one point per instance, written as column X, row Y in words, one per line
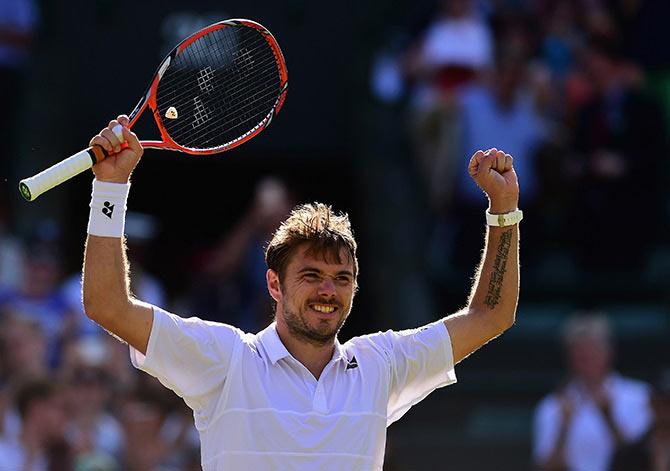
column 379, row 344
column 195, row 328
column 547, row 405
column 630, row 387
column 387, row 342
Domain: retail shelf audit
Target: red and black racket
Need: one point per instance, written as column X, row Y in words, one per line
column 214, row 91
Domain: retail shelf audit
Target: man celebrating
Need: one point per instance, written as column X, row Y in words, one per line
column 292, row 396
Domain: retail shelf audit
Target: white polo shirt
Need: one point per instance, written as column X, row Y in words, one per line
column 256, row 407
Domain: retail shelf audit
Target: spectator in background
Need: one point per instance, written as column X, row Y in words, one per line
column 106, row 356
column 619, row 143
column 41, row 445
column 452, row 52
column 597, row 412
column 38, row 298
column 24, row 349
column 231, row 286
column 561, row 38
column 158, row 420
column 91, row 431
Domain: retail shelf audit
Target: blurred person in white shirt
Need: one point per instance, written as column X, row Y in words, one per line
column 581, row 426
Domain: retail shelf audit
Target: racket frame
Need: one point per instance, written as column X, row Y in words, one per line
column 149, row 98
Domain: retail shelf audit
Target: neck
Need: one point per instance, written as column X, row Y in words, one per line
column 594, row 383
column 312, row 355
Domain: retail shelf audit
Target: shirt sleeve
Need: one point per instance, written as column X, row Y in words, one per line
column 189, row 356
column 421, row 361
column 632, row 411
column 546, row 425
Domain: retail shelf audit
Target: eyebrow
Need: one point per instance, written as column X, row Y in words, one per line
column 314, row 269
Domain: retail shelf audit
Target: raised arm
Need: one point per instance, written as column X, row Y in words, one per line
column 106, row 292
column 492, row 305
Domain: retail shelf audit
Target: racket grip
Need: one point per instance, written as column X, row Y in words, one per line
column 34, row 186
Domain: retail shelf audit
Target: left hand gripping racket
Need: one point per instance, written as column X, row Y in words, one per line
column 216, row 89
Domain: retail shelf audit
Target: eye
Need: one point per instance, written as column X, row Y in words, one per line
column 343, row 279
column 311, row 276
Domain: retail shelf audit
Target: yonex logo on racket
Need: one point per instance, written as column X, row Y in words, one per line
column 108, row 209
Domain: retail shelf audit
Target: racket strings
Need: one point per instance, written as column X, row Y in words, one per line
column 177, row 98
column 223, row 86
column 175, row 82
column 244, row 123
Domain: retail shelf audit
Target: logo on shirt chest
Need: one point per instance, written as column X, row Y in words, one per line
column 352, row 363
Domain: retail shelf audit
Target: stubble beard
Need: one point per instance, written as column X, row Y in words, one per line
column 299, row 327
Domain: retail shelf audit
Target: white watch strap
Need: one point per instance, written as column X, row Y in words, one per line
column 503, row 220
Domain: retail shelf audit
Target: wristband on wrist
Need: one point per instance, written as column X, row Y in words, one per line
column 504, row 220
column 108, row 209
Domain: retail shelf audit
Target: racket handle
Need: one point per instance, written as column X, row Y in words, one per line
column 34, row 186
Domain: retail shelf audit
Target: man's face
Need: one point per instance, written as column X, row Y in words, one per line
column 590, row 359
column 48, row 414
column 315, row 294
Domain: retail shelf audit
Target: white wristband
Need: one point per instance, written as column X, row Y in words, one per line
column 504, row 220
column 108, row 209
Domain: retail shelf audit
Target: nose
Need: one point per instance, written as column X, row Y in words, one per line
column 327, row 288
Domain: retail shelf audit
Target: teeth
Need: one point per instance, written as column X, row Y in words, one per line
column 320, row 308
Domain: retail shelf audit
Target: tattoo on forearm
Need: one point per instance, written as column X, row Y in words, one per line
column 499, row 268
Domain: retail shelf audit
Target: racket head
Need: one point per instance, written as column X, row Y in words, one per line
column 216, row 89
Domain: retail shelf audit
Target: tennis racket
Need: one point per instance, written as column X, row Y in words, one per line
column 216, row 89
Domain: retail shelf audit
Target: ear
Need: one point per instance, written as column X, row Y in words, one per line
column 274, row 287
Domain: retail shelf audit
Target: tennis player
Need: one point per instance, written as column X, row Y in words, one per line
column 292, row 396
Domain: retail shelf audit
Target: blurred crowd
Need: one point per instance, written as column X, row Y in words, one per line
column 577, row 91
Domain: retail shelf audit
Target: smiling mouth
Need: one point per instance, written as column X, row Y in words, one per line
column 323, row 308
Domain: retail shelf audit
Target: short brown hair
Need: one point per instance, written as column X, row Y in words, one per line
column 317, row 224
column 32, row 392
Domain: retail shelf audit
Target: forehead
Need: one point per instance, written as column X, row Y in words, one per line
column 588, row 344
column 326, row 260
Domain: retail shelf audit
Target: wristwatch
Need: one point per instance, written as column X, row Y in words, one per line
column 504, row 220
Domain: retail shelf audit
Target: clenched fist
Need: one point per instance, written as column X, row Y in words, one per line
column 124, row 152
column 493, row 171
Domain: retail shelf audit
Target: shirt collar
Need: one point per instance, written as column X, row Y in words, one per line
column 276, row 350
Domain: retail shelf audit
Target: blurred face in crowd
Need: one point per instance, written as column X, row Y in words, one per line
column 315, row 294
column 601, row 69
column 89, row 393
column 42, row 273
column 272, row 204
column 589, row 358
column 24, row 347
column 456, row 8
column 509, row 76
column 47, row 415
